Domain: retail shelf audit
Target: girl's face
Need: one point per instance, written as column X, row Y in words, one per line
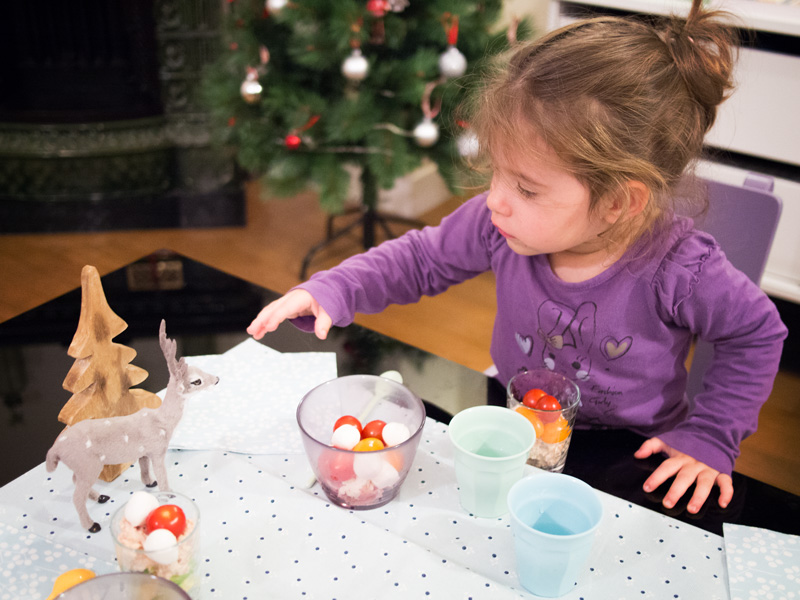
column 540, row 208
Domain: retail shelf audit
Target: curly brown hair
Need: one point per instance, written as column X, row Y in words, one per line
column 617, row 99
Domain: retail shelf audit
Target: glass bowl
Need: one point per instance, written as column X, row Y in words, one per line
column 177, row 564
column 366, row 479
column 125, row 585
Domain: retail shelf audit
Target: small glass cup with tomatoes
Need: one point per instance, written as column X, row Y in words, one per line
column 550, row 402
column 360, row 434
column 164, row 541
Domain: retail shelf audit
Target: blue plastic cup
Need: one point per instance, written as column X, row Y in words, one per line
column 491, row 446
column 554, row 518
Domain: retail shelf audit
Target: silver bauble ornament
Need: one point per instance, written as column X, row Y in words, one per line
column 468, row 144
column 355, row 67
column 426, row 134
column 251, row 89
column 452, row 63
column 276, row 6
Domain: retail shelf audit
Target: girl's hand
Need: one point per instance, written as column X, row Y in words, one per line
column 687, row 471
column 297, row 303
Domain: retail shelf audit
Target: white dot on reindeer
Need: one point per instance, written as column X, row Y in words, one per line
column 125, row 437
column 141, row 448
column 107, row 422
column 102, row 457
column 88, row 443
column 162, row 432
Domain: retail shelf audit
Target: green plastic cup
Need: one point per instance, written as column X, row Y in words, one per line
column 491, row 446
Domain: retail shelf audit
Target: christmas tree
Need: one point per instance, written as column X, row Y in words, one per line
column 102, row 376
column 308, row 89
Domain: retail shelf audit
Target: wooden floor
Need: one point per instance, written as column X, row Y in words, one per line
column 269, row 251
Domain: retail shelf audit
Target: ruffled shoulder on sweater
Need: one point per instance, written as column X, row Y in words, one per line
column 687, row 254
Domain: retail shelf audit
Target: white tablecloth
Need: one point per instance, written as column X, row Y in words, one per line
column 264, row 535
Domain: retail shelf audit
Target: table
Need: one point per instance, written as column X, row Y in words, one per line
column 265, row 535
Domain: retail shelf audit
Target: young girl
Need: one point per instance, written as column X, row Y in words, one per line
column 589, row 131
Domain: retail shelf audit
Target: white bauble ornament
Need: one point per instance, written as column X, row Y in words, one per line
column 276, row 6
column 468, row 144
column 355, row 67
column 251, row 88
column 426, row 134
column 452, row 63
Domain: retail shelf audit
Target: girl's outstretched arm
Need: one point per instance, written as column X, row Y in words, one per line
column 296, row 303
column 687, row 471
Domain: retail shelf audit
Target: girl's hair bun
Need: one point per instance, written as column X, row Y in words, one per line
column 703, row 47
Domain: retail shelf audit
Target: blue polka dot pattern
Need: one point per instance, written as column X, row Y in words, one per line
column 265, row 534
column 262, row 531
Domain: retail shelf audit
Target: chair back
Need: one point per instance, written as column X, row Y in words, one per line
column 743, row 220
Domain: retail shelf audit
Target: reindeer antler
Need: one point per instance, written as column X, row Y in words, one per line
column 178, row 368
column 168, row 347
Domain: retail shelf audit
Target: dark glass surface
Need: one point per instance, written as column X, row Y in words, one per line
column 207, row 313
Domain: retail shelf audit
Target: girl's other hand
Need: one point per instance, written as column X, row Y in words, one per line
column 297, row 303
column 687, row 471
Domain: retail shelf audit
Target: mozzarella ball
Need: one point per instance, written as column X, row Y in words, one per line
column 345, row 437
column 161, row 546
column 139, row 506
column 395, row 433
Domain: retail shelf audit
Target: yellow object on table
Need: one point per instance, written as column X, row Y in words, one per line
column 69, row 579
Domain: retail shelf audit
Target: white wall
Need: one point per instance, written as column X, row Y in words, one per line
column 535, row 9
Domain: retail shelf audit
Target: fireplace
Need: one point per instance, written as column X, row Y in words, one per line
column 101, row 121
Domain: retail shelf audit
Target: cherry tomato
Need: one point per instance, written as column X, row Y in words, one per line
column 368, row 445
column 166, row 516
column 373, row 429
column 532, row 396
column 531, row 416
column 548, row 402
column 335, row 467
column 347, row 420
column 555, row 432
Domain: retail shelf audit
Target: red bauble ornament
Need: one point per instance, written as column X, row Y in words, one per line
column 292, row 141
column 378, row 8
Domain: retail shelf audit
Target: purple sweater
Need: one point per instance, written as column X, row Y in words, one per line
column 623, row 335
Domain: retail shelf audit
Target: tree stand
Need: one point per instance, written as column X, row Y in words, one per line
column 370, row 220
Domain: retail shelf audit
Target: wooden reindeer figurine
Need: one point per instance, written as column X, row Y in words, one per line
column 144, row 435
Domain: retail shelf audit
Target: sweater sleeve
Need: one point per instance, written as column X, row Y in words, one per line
column 400, row 271
column 700, row 290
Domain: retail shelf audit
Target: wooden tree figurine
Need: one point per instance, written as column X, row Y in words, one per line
column 102, row 377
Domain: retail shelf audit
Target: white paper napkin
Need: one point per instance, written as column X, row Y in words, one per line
column 761, row 563
column 252, row 409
